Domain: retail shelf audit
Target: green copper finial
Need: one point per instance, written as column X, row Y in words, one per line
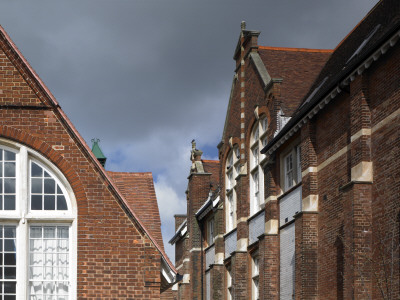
column 98, row 153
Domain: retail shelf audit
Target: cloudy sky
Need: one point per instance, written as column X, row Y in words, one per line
column 148, row 76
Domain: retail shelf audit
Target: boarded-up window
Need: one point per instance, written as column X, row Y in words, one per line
column 287, row 262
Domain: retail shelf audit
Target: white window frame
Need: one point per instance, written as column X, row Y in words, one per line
column 231, row 172
column 23, row 218
column 258, row 140
column 292, row 168
column 255, row 275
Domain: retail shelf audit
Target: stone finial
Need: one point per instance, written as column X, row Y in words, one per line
column 243, row 25
column 193, row 144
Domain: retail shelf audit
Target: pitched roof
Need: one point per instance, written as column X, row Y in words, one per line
column 377, row 24
column 297, row 67
column 40, row 86
column 138, row 190
column 359, row 49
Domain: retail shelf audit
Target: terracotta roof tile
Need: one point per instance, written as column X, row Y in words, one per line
column 138, row 190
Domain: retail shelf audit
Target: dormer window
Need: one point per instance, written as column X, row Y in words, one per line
column 281, row 121
column 257, row 141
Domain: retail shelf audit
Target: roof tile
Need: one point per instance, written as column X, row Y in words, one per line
column 138, row 190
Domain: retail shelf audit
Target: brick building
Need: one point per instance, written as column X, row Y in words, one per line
column 304, row 201
column 69, row 229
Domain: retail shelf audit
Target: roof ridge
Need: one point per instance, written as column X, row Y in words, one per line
column 295, row 49
column 130, row 173
column 210, row 160
column 358, row 24
column 85, row 147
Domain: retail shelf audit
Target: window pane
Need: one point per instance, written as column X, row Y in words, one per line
column 8, row 155
column 49, row 186
column 9, row 272
column 9, row 245
column 9, row 231
column 36, row 185
column 36, row 273
column 61, row 203
column 49, row 202
column 49, row 232
column 9, row 259
column 9, row 185
column 36, row 232
column 9, row 287
column 36, row 202
column 9, row 169
column 36, row 289
column 36, row 245
column 36, row 171
column 36, row 258
column 9, row 202
column 63, row 232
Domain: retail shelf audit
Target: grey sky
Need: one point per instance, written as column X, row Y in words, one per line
column 148, row 76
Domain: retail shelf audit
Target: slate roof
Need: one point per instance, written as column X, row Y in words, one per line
column 138, row 190
column 378, row 26
column 298, row 69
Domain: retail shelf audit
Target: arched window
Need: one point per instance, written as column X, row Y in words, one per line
column 37, row 227
column 257, row 141
column 232, row 170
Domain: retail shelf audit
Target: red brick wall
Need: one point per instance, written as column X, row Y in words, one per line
column 115, row 259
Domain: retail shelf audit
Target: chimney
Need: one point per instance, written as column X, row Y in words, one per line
column 179, row 219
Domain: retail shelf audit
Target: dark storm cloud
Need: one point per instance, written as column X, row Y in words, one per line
column 147, row 76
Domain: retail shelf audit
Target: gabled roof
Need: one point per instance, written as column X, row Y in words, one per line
column 297, row 67
column 138, row 190
column 371, row 38
column 167, row 268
